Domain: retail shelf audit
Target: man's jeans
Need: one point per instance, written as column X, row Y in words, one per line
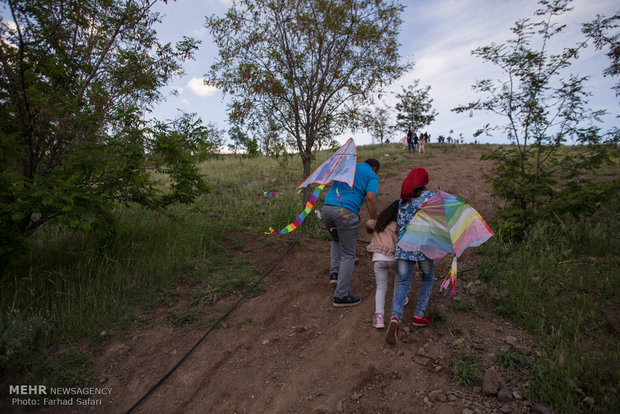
column 344, row 241
column 405, row 274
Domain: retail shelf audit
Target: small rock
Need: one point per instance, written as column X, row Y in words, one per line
column 504, row 395
column 589, row 400
column 478, row 346
column 437, row 395
column 265, row 341
column 525, row 350
column 421, row 359
column 477, row 390
column 540, row 409
column 401, row 353
column 458, row 342
column 507, row 409
column 491, row 382
column 356, row 396
column 517, row 395
column 339, row 407
column 510, row 340
column 103, row 380
column 437, row 368
column 427, row 401
column 103, row 333
column 467, row 411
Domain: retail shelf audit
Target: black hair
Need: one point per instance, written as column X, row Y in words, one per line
column 389, row 214
column 417, row 192
column 373, row 163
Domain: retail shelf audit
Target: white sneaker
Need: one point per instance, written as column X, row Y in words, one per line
column 377, row 321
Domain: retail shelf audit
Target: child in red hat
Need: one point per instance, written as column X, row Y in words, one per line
column 413, row 195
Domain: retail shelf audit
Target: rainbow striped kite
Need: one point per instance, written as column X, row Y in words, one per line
column 302, row 216
column 445, row 224
column 340, row 166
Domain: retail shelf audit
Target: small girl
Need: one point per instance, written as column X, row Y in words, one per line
column 413, row 196
column 383, row 245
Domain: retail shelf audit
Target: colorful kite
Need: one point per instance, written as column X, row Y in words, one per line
column 445, row 224
column 340, row 166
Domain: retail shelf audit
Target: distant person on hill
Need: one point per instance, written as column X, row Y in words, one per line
column 413, row 195
column 409, row 140
column 423, row 138
column 341, row 217
column 382, row 247
column 415, row 142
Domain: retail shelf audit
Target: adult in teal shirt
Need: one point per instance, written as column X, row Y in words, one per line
column 341, row 216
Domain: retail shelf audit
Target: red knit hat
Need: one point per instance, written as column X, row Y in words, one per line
column 417, row 178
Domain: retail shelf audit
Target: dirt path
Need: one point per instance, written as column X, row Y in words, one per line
column 289, row 350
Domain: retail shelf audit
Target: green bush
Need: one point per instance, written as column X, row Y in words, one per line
column 22, row 337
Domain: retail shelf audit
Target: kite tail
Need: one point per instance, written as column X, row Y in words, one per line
column 302, row 216
column 451, row 277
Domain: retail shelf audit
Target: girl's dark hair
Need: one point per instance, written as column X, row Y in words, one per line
column 417, row 192
column 389, row 214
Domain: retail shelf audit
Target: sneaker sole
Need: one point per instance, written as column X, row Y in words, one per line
column 333, row 282
column 345, row 305
column 419, row 325
column 390, row 335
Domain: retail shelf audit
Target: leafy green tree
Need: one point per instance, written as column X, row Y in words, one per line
column 377, row 120
column 415, row 109
column 299, row 63
column 603, row 32
column 545, row 107
column 188, row 131
column 75, row 81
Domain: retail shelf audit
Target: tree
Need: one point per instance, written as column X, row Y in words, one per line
column 599, row 32
column 187, row 131
column 299, row 63
column 545, row 107
column 415, row 109
column 75, row 80
column 377, row 120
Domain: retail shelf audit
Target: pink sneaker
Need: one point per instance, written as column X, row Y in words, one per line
column 422, row 322
column 377, row 321
column 391, row 336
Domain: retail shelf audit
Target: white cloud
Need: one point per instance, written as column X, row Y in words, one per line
column 198, row 87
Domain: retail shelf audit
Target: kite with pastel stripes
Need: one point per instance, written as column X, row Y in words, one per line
column 445, row 224
column 340, row 166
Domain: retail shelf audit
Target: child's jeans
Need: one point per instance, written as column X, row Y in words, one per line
column 405, row 273
column 382, row 268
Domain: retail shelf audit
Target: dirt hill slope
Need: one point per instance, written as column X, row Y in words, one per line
column 289, row 350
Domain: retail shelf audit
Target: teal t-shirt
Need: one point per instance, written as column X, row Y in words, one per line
column 365, row 181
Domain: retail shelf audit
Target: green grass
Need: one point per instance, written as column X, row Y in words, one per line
column 72, row 284
column 467, row 368
column 561, row 285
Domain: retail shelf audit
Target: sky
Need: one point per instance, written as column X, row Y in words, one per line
column 436, row 35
